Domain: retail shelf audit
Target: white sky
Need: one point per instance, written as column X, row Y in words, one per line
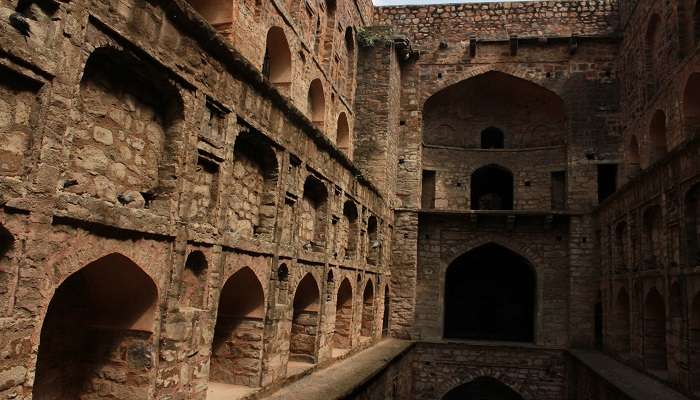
column 404, row 2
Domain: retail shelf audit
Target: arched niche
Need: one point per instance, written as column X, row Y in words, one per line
column 20, row 114
column 316, row 101
column 657, row 137
column 305, row 321
column 655, row 332
column 490, row 295
column 342, row 137
column 314, row 212
column 492, row 188
column 373, row 242
column 194, row 280
column 329, row 33
column 342, row 333
column 99, row 321
column 349, row 230
column 482, row 388
column 277, row 63
column 131, row 118
column 515, row 105
column 367, row 323
column 350, row 60
column 492, row 138
column 253, row 192
column 237, row 344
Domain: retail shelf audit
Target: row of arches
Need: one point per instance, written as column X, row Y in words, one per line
column 657, row 142
column 654, row 248
column 103, row 322
column 278, row 69
column 667, row 342
column 350, row 240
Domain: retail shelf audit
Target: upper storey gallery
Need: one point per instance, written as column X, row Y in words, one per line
column 306, row 49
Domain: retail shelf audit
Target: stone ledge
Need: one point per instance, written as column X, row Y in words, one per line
column 634, row 384
column 342, row 378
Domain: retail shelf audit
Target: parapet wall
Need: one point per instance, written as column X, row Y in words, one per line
column 427, row 25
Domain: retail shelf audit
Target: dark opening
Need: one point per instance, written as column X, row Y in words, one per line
column 428, row 190
column 492, row 138
column 492, row 188
column 482, row 389
column 607, row 181
column 559, row 190
column 490, row 295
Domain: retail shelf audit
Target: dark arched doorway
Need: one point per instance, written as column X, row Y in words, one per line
column 490, row 295
column 482, row 389
column 99, row 323
column 492, row 188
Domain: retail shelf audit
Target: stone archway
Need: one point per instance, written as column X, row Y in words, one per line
column 98, row 327
column 483, row 388
column 496, row 288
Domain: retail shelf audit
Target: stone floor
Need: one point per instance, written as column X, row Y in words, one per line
column 223, row 391
column 338, row 380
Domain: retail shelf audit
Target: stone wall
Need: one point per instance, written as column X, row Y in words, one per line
column 647, row 231
column 133, row 131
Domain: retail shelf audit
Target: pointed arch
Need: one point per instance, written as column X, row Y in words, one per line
column 343, row 138
column 95, row 315
column 350, row 60
column 314, row 208
column 277, row 63
column 367, row 328
column 342, row 333
column 305, row 320
column 483, row 388
column 658, row 146
column 254, row 164
column 317, row 104
column 490, row 294
column 237, row 345
column 494, row 98
column 350, row 226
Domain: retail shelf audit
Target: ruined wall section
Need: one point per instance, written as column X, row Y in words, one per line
column 119, row 137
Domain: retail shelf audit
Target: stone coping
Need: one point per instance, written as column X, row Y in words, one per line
column 636, row 385
column 342, row 378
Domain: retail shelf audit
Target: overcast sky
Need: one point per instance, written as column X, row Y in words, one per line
column 400, row 2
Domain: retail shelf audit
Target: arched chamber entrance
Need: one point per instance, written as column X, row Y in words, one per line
column 483, row 388
column 97, row 333
column 238, row 335
column 492, row 188
column 490, row 295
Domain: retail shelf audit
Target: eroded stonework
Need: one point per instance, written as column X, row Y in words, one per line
column 198, row 196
